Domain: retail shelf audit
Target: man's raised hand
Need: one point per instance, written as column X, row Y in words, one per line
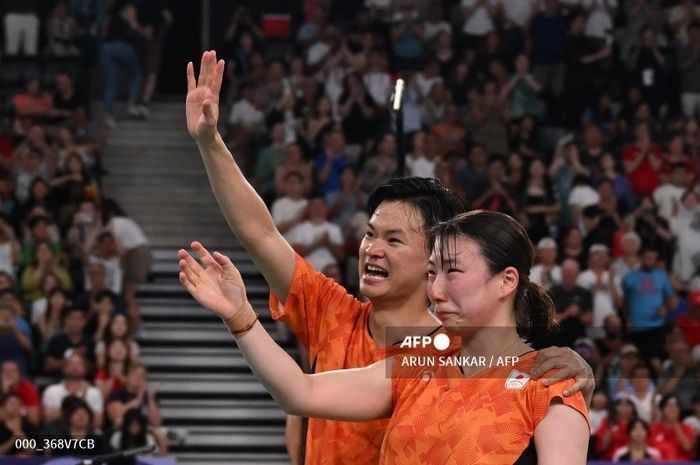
column 202, row 106
column 213, row 281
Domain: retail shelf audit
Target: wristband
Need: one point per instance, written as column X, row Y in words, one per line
column 239, row 324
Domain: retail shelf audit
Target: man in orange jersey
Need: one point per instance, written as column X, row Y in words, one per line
column 338, row 330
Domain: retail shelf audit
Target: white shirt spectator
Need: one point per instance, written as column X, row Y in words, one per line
column 113, row 273
column 537, row 275
column 583, row 196
column 599, row 24
column 306, row 233
column 244, row 113
column 480, row 22
column 665, row 196
column 420, row 166
column 519, row 11
column 603, row 304
column 54, row 394
column 127, row 232
column 284, row 209
column 693, row 422
column 379, row 86
column 6, row 258
column 425, row 84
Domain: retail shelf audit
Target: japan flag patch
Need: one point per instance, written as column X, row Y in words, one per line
column 517, row 380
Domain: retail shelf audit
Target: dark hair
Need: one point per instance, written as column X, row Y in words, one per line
column 68, row 310
column 129, row 441
column 106, row 294
column 428, row 196
column 634, row 421
column 503, row 242
column 72, row 403
column 110, row 209
column 612, row 413
column 666, row 399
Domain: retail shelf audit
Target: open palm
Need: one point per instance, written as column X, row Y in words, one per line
column 202, row 105
column 215, row 283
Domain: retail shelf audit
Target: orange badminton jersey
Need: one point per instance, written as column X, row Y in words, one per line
column 442, row 418
column 332, row 326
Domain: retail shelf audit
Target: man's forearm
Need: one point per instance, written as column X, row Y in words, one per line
column 243, row 208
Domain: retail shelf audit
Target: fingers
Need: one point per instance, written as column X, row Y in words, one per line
column 186, row 283
column 218, row 77
column 579, row 385
column 189, row 266
column 226, row 263
column 561, row 374
column 202, row 254
column 191, row 82
column 202, row 70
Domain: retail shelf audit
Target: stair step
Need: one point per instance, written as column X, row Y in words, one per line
column 215, row 458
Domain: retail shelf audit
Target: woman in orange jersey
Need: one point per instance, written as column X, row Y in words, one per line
column 487, row 411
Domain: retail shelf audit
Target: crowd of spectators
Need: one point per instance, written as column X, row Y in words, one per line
column 577, row 117
column 70, row 259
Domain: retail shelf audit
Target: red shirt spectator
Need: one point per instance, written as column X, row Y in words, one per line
column 11, row 381
column 643, row 162
column 619, row 437
column 689, row 322
column 675, row 440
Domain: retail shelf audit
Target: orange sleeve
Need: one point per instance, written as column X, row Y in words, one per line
column 314, row 304
column 541, row 396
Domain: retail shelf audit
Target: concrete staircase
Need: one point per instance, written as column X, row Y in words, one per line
column 218, row 411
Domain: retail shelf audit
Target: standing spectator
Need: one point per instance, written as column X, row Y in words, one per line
column 643, row 161
column 516, row 16
column 73, row 383
column 357, row 110
column 48, row 319
column 11, row 381
column 539, row 205
column 344, row 204
column 138, row 258
column 685, row 225
column 118, row 54
column 689, row 64
column 548, row 31
column 601, row 281
column 61, row 32
column 408, row 37
column 477, row 17
column 573, row 304
column 318, row 240
column 668, row 195
column 648, row 67
column 21, row 26
column 653, row 229
column 637, row 450
column 649, row 298
column 155, row 18
column 630, row 243
column 621, row 184
column 675, row 440
column 546, row 272
column 522, row 90
column 246, row 122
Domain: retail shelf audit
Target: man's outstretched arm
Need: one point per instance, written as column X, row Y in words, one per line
column 243, row 208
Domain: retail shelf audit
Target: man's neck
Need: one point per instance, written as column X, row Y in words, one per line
column 400, row 315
